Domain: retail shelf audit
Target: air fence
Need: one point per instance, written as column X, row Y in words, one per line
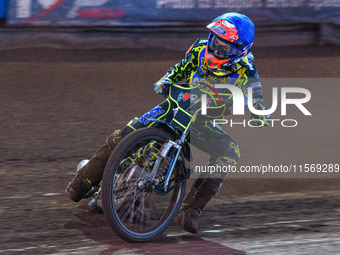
column 284, row 22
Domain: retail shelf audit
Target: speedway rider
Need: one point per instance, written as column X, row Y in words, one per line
column 223, row 58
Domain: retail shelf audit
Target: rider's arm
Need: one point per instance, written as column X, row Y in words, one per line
column 183, row 69
column 254, row 82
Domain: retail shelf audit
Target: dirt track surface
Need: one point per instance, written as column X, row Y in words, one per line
column 58, row 106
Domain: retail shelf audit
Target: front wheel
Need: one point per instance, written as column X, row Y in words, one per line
column 131, row 204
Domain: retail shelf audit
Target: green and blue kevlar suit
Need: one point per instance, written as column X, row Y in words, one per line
column 192, row 70
column 203, row 135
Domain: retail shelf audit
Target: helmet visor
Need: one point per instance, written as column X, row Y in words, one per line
column 222, row 49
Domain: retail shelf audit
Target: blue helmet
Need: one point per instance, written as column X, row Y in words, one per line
column 231, row 38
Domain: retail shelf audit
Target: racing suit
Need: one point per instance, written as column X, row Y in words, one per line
column 209, row 138
column 193, row 70
column 206, row 136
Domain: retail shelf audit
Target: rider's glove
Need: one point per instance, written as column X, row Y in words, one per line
column 162, row 87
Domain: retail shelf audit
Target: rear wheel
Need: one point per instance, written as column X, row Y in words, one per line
column 136, row 211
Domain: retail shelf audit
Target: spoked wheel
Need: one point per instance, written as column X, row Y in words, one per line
column 136, row 210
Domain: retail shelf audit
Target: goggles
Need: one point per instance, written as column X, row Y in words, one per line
column 222, row 49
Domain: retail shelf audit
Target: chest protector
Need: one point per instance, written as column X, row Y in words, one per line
column 189, row 100
column 203, row 76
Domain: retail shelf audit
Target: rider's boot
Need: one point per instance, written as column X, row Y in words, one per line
column 91, row 174
column 201, row 192
column 198, row 197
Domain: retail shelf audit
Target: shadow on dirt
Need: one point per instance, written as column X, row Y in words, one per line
column 95, row 227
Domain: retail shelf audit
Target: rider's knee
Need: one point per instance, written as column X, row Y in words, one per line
column 133, row 125
column 228, row 149
column 233, row 150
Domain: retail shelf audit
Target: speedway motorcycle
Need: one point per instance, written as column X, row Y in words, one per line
column 145, row 177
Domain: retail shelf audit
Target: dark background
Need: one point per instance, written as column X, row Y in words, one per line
column 59, row 105
column 65, row 89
